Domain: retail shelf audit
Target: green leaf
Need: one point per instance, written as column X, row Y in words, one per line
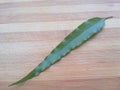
column 82, row 33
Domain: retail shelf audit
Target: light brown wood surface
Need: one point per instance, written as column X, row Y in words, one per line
column 30, row 29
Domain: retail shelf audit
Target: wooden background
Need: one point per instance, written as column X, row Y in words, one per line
column 30, row 29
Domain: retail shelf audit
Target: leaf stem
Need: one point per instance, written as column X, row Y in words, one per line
column 108, row 17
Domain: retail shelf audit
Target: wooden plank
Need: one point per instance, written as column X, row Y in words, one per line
column 30, row 29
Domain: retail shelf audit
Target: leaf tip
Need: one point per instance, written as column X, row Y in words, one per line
column 11, row 84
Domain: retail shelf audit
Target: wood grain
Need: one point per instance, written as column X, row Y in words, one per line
column 30, row 29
